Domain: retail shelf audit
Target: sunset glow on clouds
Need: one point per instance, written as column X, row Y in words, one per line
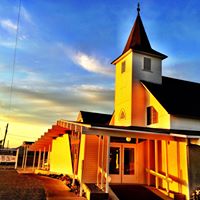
column 64, row 53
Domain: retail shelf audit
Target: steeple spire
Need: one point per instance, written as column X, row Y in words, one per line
column 138, row 40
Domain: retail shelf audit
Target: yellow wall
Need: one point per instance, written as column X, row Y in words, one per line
column 81, row 156
column 139, row 104
column 177, row 165
column 140, row 162
column 130, row 95
column 60, row 156
column 163, row 116
column 123, row 91
column 91, row 159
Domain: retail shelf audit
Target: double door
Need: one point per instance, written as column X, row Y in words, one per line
column 122, row 163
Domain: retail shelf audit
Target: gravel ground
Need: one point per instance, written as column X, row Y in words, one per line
column 14, row 186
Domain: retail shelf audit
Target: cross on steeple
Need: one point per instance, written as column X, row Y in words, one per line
column 138, row 8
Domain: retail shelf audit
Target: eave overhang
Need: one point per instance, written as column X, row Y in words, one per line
column 44, row 143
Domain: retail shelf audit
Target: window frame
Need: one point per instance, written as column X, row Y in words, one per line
column 147, row 64
column 123, row 67
column 152, row 115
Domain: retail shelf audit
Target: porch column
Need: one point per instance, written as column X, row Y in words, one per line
column 107, row 164
column 39, row 159
column 43, row 158
column 102, row 161
column 148, row 161
column 166, row 163
column 99, row 149
column 81, row 182
column 16, row 158
column 156, row 161
column 34, row 160
column 136, row 156
column 26, row 155
column 48, row 157
column 23, row 159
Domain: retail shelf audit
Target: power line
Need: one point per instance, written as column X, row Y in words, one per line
column 13, row 69
column 15, row 55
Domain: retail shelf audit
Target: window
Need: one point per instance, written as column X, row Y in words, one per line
column 123, row 67
column 147, row 64
column 152, row 115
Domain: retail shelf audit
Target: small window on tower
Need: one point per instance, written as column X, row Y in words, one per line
column 147, row 64
column 123, row 67
column 152, row 115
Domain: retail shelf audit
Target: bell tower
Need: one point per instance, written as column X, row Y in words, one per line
column 138, row 61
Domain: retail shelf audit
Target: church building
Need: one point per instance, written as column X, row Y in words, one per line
column 152, row 138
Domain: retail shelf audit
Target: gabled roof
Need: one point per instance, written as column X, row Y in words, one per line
column 178, row 97
column 138, row 40
column 95, row 118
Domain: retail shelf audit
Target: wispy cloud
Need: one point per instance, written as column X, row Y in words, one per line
column 8, row 25
column 26, row 15
column 90, row 63
column 7, row 44
column 96, row 93
column 180, row 70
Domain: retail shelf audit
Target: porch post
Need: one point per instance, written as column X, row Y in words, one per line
column 107, row 164
column 102, row 161
column 136, row 156
column 23, row 159
column 39, row 159
column 43, row 158
column 166, row 163
column 156, row 161
column 81, row 187
column 99, row 146
column 148, row 161
column 34, row 160
column 16, row 159
column 48, row 157
column 26, row 155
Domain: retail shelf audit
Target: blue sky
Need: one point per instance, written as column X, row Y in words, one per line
column 64, row 53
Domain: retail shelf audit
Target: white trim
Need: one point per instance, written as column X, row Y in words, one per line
column 132, row 131
column 128, row 130
column 185, row 136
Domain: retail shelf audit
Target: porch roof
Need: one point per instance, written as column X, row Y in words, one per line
column 63, row 127
column 45, row 141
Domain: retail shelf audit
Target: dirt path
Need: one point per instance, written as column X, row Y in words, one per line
column 14, row 186
column 55, row 189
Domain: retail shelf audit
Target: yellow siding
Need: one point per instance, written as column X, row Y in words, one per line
column 140, row 162
column 81, row 156
column 163, row 116
column 60, row 157
column 138, row 104
column 123, row 91
column 177, row 166
column 91, row 159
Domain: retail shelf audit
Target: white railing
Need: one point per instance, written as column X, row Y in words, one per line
column 158, row 175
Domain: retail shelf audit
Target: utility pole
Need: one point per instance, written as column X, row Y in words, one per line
column 6, row 131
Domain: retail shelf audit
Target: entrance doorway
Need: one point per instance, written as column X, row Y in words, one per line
column 122, row 163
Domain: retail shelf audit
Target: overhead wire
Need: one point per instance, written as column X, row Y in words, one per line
column 15, row 55
column 13, row 68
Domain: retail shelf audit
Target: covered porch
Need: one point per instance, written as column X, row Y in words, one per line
column 137, row 155
column 106, row 155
